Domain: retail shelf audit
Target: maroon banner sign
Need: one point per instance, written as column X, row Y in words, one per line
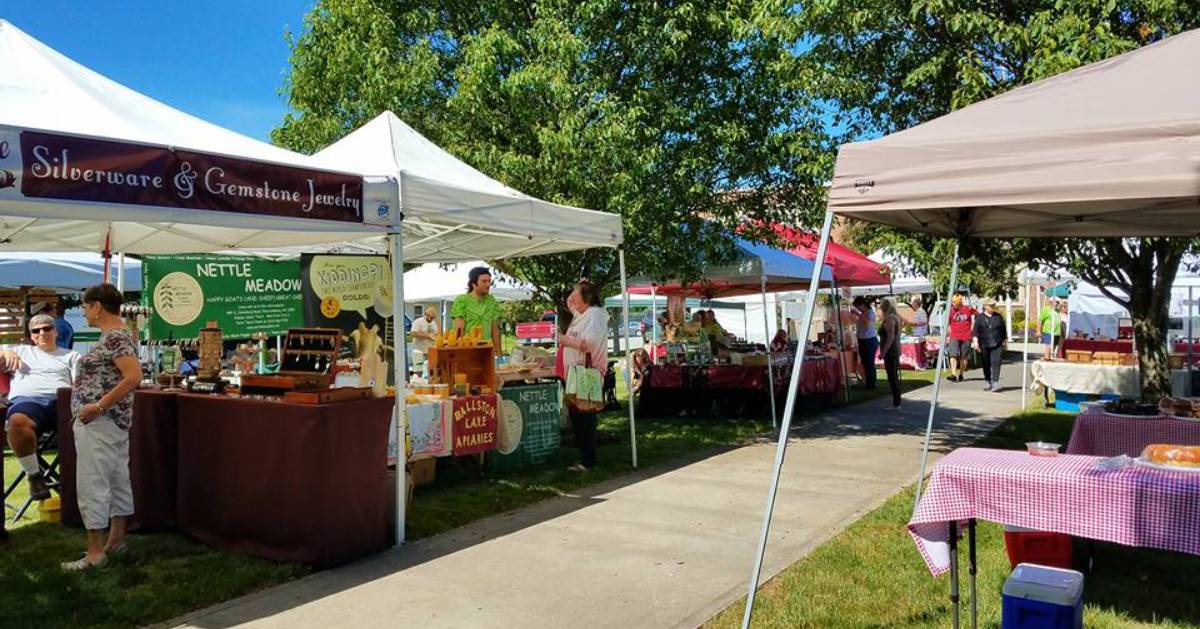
column 64, row 167
column 475, row 423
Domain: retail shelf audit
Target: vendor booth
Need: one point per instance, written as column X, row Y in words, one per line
column 748, row 368
column 1107, row 150
column 89, row 165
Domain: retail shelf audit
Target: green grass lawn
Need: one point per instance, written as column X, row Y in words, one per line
column 168, row 574
column 871, row 575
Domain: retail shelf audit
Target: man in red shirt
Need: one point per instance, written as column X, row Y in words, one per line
column 962, row 318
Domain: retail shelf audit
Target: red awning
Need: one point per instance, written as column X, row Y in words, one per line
column 850, row 268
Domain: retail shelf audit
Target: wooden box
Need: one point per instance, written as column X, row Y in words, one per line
column 307, row 363
column 478, row 363
column 1079, row 356
column 1107, row 358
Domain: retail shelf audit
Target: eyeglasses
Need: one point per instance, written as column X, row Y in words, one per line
column 41, row 330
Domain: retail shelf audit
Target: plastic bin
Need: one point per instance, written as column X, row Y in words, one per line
column 1067, row 401
column 1037, row 547
column 1041, row 597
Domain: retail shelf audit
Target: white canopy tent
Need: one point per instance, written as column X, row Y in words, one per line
column 87, row 164
column 64, row 271
column 1109, row 149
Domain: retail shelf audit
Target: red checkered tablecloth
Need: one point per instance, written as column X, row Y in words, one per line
column 1134, row 506
column 1102, row 434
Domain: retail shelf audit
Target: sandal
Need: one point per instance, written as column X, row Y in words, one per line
column 81, row 564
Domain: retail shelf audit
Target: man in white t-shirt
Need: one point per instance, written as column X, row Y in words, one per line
column 38, row 371
column 424, row 330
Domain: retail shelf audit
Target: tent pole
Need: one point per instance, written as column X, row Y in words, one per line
column 837, row 315
column 1188, row 388
column 654, row 324
column 628, row 361
column 788, row 409
column 121, row 272
column 1008, row 314
column 400, row 360
column 937, row 378
column 1025, row 346
column 770, row 358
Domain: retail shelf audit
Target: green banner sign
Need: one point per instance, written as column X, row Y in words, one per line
column 244, row 295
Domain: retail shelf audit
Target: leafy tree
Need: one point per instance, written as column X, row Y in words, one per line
column 657, row 111
column 885, row 65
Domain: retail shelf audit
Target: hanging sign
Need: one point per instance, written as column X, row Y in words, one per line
column 244, row 295
column 38, row 165
column 475, row 423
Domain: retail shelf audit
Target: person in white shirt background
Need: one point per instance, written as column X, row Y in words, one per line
column 38, row 371
column 424, row 332
column 920, row 320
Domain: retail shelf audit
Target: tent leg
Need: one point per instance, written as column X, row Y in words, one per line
column 1187, row 388
column 788, row 409
column 654, row 324
column 937, row 379
column 770, row 369
column 1025, row 351
column 837, row 315
column 400, row 360
column 628, row 362
column 121, row 272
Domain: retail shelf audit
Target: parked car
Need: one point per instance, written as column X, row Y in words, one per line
column 648, row 327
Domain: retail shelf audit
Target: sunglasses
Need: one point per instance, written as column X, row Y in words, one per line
column 40, row 330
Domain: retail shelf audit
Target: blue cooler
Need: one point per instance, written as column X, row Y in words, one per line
column 1041, row 597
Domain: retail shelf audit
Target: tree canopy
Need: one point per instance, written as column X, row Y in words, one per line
column 686, row 118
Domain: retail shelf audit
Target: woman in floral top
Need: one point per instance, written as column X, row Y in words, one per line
column 102, row 405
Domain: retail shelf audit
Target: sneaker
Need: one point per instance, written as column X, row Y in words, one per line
column 987, row 387
column 37, row 487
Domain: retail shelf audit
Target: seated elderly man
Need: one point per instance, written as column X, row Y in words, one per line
column 38, row 371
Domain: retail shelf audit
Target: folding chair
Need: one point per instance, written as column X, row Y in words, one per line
column 48, row 441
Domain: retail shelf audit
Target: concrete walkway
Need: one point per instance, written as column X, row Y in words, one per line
column 666, row 547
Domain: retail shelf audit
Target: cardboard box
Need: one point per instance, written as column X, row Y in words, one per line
column 1079, row 356
column 423, row 471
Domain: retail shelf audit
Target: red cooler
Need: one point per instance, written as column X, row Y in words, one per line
column 1037, row 547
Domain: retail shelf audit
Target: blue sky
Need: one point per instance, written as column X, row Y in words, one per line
column 221, row 60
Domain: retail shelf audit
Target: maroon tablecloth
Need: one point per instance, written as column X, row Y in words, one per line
column 152, row 445
column 1086, row 345
column 290, row 482
column 819, row 375
column 1102, row 434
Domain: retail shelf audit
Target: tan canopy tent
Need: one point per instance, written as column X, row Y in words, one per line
column 1109, row 149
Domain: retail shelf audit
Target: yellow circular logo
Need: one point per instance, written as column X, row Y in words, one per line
column 330, row 307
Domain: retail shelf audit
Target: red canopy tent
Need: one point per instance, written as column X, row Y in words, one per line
column 850, row 268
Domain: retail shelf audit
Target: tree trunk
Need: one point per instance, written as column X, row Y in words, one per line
column 1149, row 306
column 1150, row 337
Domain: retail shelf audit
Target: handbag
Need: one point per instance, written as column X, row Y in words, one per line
column 585, row 388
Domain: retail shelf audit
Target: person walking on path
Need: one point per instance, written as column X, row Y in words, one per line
column 889, row 348
column 991, row 336
column 586, row 337
column 102, row 405
column 959, row 341
column 868, row 339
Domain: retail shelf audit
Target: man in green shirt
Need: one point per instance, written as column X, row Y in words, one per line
column 477, row 307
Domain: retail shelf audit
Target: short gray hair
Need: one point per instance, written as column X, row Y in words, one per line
column 40, row 319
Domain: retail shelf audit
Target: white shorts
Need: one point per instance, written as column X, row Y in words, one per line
column 102, row 472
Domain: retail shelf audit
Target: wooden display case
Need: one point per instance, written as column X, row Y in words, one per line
column 307, row 363
column 478, row 363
